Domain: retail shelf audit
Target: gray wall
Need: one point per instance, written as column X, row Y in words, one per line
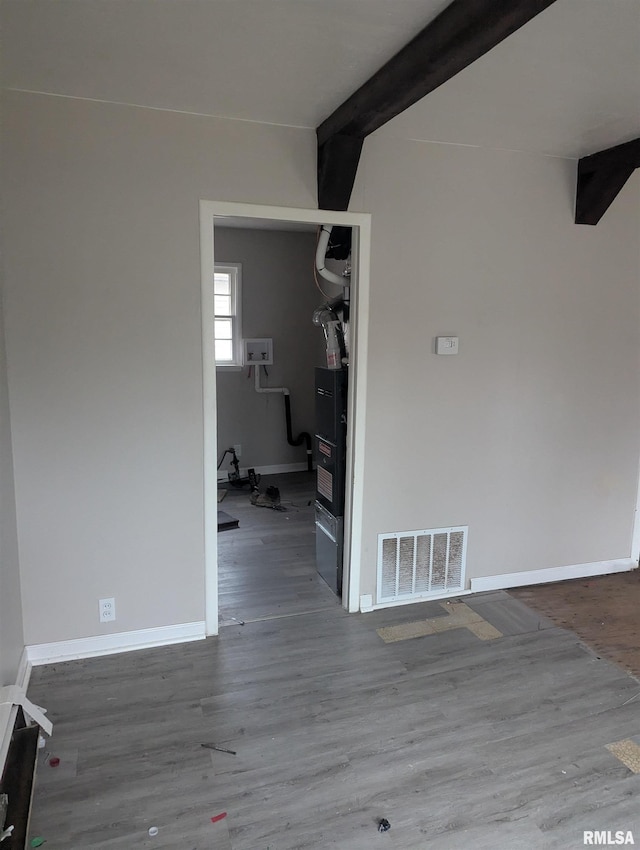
column 278, row 299
column 529, row 435
column 103, row 328
column 11, row 636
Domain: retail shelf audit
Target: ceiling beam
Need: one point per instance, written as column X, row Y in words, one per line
column 601, row 176
column 338, row 161
column 463, row 32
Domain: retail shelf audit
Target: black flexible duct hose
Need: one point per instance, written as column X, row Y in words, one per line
column 302, row 437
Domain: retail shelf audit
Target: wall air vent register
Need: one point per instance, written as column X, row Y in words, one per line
column 419, row 564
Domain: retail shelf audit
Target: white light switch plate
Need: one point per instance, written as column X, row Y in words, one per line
column 446, row 345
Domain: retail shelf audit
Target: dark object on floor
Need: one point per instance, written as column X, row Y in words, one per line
column 269, row 499
column 219, row 749
column 384, row 825
column 235, row 478
column 226, row 522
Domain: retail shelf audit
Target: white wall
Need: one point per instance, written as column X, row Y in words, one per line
column 279, row 296
column 11, row 635
column 529, row 436
column 103, row 334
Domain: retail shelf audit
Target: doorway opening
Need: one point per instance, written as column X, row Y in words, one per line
column 267, row 563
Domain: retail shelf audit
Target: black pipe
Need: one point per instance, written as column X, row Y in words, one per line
column 302, row 437
column 226, row 452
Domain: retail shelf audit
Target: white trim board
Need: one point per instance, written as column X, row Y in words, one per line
column 506, row 580
column 24, row 671
column 90, row 647
column 215, row 211
column 8, row 712
column 635, row 536
column 274, row 469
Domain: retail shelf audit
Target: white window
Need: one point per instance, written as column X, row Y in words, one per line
column 227, row 303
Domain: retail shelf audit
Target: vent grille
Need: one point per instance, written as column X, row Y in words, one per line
column 412, row 564
column 325, row 483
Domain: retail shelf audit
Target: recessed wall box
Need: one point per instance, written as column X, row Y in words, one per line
column 258, row 351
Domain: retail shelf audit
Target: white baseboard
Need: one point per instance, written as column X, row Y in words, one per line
column 506, row 580
column 71, row 650
column 635, row 537
column 274, row 469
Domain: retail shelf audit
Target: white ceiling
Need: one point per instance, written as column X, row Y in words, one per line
column 566, row 84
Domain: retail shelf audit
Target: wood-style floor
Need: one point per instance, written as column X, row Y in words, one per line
column 459, row 742
column 603, row 610
column 267, row 565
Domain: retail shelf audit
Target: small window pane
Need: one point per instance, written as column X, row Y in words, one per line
column 227, row 306
column 224, row 350
column 223, row 329
column 222, row 284
column 222, row 305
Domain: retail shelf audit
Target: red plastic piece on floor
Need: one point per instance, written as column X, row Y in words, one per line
column 218, row 817
column 54, row 762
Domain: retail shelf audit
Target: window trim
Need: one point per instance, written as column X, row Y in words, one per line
column 235, row 271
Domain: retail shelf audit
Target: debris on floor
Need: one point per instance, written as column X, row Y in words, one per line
column 219, row 749
column 216, row 818
column 384, row 825
column 226, row 522
column 153, row 831
column 269, row 499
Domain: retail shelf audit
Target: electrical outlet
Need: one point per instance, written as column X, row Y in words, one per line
column 238, row 449
column 107, row 610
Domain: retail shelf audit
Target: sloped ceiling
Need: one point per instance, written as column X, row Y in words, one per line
column 566, row 84
column 277, row 61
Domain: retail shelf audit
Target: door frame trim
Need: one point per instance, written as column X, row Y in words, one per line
column 356, row 434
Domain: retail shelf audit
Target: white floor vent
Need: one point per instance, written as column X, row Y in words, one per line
column 412, row 564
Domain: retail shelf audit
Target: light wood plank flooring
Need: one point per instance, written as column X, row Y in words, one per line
column 459, row 743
